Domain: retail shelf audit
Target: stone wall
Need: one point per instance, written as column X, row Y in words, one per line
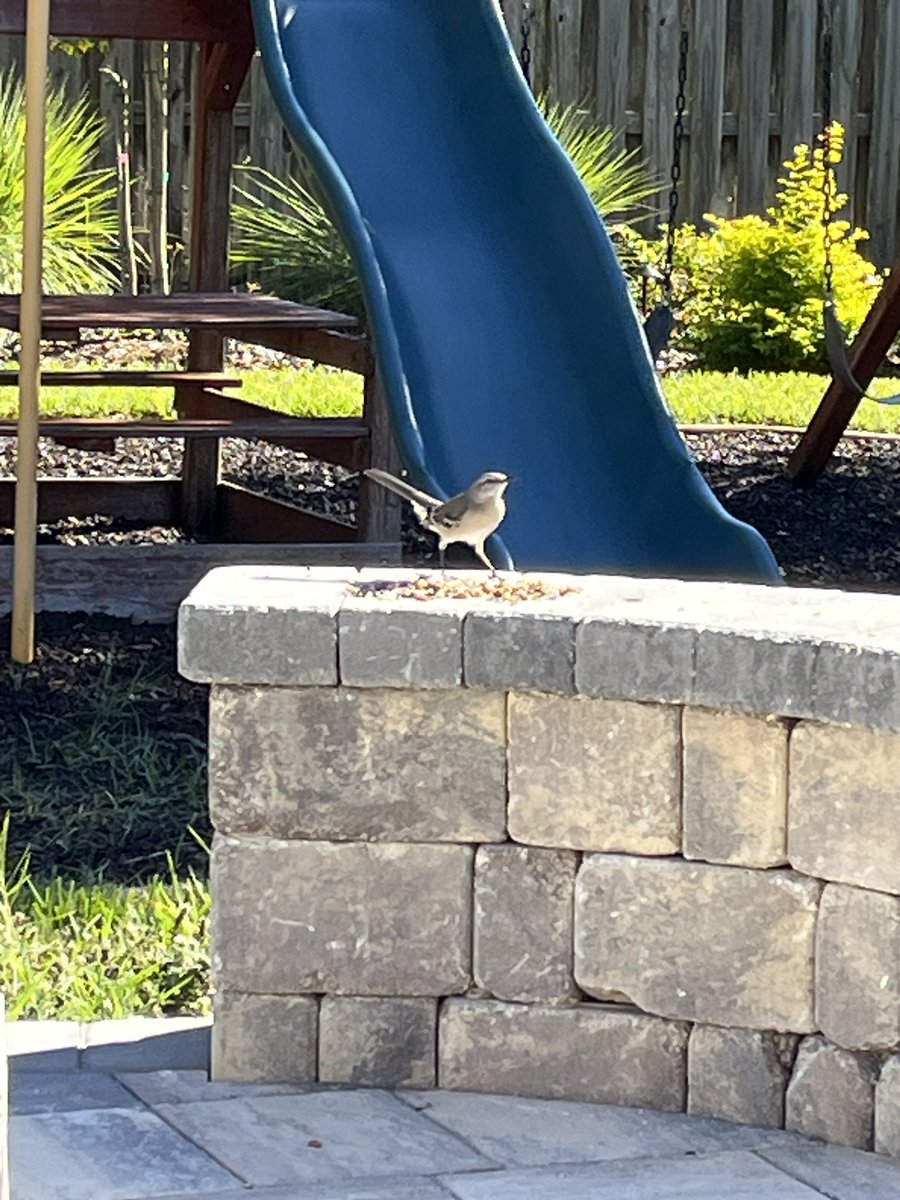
column 636, row 844
column 4, row 1105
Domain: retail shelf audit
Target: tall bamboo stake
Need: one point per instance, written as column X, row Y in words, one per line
column 37, row 33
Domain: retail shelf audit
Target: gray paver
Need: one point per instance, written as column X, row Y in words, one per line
column 737, row 1176
column 634, row 661
column 380, row 1041
column 106, row 1154
column 297, row 917
column 374, row 764
column 756, row 674
column 183, row 1087
column 399, row 644
column 268, row 1140
column 67, row 1091
column 519, row 651
column 42, row 1045
column 838, row 1171
column 393, row 1188
column 251, row 628
column 146, row 1044
column 530, row 1133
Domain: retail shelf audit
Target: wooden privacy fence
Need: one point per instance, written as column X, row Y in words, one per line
column 754, row 91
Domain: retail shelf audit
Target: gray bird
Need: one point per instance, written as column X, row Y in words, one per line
column 470, row 517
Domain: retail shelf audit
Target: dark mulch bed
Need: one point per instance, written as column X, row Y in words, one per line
column 844, row 532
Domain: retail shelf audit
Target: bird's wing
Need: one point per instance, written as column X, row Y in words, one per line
column 402, row 488
column 449, row 515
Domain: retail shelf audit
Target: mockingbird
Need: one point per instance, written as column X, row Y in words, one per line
column 470, row 517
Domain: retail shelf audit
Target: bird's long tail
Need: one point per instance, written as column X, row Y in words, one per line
column 402, row 488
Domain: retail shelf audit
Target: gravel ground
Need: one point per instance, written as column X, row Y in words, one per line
column 843, row 532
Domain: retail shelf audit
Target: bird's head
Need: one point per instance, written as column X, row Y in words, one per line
column 490, row 484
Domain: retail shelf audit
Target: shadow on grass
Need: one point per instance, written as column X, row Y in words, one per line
column 103, row 753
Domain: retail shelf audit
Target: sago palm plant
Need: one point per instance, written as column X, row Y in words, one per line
column 80, row 221
column 281, row 232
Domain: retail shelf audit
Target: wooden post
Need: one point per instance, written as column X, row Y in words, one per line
column 37, row 36
column 839, row 404
column 379, row 510
column 220, row 71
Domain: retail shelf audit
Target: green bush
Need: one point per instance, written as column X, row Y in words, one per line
column 283, row 238
column 750, row 289
column 80, row 219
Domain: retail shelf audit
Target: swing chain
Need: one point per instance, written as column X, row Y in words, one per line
column 827, row 178
column 525, row 53
column 675, row 173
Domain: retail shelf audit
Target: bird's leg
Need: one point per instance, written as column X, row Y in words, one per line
column 442, row 549
column 480, row 551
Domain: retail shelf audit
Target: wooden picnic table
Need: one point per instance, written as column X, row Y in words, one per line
column 201, row 503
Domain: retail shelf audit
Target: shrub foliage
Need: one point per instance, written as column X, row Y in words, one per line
column 751, row 288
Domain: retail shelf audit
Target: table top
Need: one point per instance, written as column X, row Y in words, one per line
column 220, row 311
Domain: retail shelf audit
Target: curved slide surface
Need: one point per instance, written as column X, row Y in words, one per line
column 505, row 333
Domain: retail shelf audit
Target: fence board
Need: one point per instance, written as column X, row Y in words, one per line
column 663, row 31
column 798, row 89
column 885, row 145
column 611, row 70
column 847, row 30
column 565, row 26
column 757, row 19
column 706, row 82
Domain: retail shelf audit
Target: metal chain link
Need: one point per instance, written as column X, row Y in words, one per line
column 525, row 52
column 675, row 173
column 827, row 178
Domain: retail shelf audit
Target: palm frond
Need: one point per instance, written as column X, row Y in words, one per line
column 80, row 220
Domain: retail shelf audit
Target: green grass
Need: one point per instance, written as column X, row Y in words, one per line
column 764, row 398
column 311, row 392
column 84, row 952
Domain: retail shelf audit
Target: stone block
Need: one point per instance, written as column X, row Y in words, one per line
column 264, row 1039
column 399, row 643
column 4, row 1105
column 831, row 1094
column 519, row 650
column 593, row 774
column 358, row 764
column 887, row 1108
column 739, row 1074
column 261, row 634
column 377, row 1041
column 348, row 917
column 720, row 945
column 754, row 673
column 634, row 661
column 858, row 968
column 735, row 788
column 592, row 1052
column 856, row 685
column 522, row 947
column 842, row 805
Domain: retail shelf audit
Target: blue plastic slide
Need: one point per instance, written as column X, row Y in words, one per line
column 503, row 326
